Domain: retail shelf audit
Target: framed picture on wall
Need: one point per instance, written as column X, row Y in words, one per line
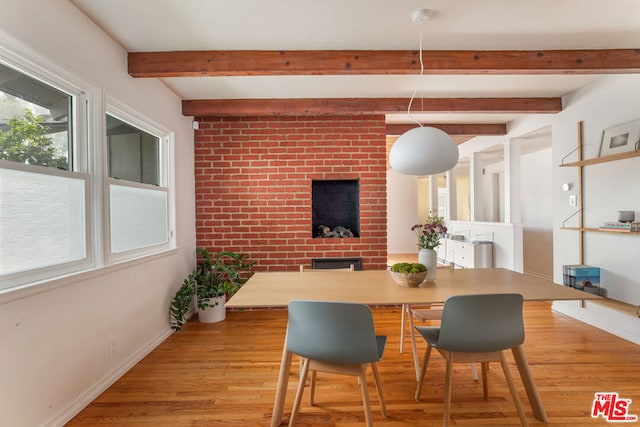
column 620, row 139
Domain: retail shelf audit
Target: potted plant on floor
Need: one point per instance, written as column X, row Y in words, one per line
column 216, row 276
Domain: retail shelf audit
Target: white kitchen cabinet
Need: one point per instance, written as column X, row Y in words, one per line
column 466, row 254
column 441, row 250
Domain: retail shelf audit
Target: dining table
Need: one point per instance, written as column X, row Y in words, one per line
column 377, row 288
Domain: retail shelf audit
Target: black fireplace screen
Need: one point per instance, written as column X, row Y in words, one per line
column 335, row 208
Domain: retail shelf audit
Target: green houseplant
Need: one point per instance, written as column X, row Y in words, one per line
column 216, row 276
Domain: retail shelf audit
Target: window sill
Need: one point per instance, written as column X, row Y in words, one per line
column 31, row 289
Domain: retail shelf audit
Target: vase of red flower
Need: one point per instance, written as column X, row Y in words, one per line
column 429, row 235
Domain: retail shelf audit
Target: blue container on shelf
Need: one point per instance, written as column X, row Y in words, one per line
column 583, row 277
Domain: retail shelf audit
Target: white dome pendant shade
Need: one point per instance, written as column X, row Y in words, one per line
column 423, row 151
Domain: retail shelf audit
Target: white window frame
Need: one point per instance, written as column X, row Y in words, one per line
column 32, row 65
column 166, row 175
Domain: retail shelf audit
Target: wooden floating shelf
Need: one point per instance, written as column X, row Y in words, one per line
column 619, row 306
column 600, row 230
column 603, row 159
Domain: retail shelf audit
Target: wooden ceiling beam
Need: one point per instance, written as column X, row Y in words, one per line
column 453, row 129
column 359, row 62
column 361, row 106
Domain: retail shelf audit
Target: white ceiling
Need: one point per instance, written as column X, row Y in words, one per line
column 153, row 25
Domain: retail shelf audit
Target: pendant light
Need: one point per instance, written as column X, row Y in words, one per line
column 423, row 150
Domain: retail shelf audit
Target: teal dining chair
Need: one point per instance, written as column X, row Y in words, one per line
column 335, row 337
column 475, row 328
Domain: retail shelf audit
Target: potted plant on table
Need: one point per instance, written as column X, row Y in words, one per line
column 216, row 276
column 429, row 235
column 408, row 274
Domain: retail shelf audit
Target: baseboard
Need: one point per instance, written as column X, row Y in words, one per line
column 621, row 323
column 74, row 407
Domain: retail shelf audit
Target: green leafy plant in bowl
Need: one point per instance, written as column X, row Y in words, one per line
column 410, row 274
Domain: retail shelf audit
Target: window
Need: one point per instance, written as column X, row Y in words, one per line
column 43, row 195
column 35, row 121
column 138, row 191
column 81, row 187
column 133, row 153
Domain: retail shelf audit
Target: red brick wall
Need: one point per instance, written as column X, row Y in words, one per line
column 253, row 186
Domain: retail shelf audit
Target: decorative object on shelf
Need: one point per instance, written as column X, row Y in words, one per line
column 620, row 139
column 408, row 274
column 626, row 216
column 429, row 235
column 423, row 150
column 583, row 277
column 629, row 227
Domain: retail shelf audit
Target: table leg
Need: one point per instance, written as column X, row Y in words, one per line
column 529, row 384
column 281, row 389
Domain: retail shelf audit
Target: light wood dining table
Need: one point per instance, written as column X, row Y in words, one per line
column 377, row 288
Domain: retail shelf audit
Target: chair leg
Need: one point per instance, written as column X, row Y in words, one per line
column 376, row 377
column 514, row 392
column 414, row 349
column 485, row 384
column 312, row 387
column 474, row 372
column 364, row 389
column 423, row 371
column 447, row 390
column 298, row 399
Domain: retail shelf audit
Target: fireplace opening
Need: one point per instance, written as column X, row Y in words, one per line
column 332, row 263
column 335, row 208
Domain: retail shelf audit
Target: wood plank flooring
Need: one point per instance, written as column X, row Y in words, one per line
column 224, row 374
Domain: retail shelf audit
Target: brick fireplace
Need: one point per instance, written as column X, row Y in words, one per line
column 254, row 180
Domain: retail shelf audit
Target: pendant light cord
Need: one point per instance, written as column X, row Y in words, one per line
column 419, row 79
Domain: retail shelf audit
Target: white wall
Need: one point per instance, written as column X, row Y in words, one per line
column 463, row 196
column 537, row 213
column 493, row 197
column 402, row 213
column 54, row 357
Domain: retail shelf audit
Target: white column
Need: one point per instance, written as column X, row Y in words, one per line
column 433, row 194
column 513, row 204
column 452, row 197
column 475, row 187
column 512, row 180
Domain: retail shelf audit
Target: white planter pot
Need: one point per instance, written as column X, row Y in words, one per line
column 429, row 258
column 213, row 314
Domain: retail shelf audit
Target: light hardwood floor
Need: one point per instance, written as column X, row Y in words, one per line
column 225, row 374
